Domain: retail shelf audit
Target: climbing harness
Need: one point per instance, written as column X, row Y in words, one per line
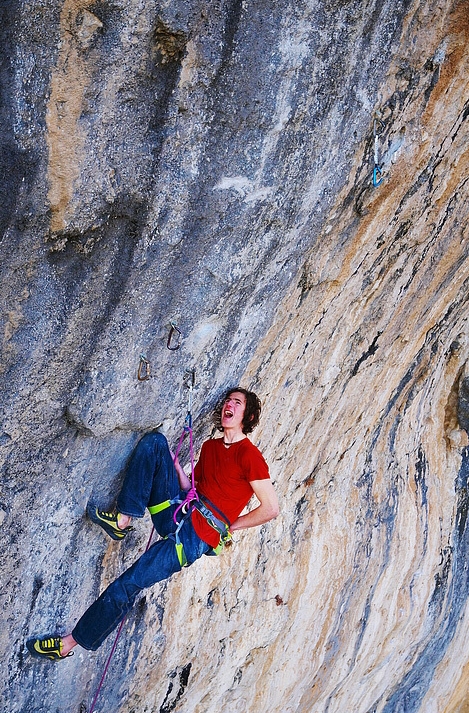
column 185, row 507
column 206, row 509
column 192, row 501
column 144, row 369
column 377, row 170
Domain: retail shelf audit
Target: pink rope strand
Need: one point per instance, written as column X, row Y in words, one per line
column 191, row 495
column 113, row 648
column 192, row 492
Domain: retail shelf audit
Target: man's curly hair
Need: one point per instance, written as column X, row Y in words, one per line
column 252, row 412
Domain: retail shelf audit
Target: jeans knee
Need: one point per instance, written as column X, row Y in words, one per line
column 153, row 442
column 156, row 439
column 160, row 439
column 122, row 594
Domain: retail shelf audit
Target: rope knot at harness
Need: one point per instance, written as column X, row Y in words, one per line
column 185, row 506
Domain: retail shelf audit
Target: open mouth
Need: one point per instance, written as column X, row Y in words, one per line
column 227, row 413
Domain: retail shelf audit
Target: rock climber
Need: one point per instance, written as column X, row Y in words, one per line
column 229, row 470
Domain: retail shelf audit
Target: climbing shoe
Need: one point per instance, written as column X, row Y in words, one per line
column 108, row 521
column 49, row 648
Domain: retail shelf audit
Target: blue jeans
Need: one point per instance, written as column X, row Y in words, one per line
column 150, row 479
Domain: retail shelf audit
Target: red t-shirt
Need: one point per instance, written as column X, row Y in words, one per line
column 224, row 475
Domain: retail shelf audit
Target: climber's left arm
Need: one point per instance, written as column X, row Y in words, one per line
column 267, row 509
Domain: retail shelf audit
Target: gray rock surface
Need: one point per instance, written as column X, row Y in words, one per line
column 210, row 165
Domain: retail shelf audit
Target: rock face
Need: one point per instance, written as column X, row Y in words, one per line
column 210, row 165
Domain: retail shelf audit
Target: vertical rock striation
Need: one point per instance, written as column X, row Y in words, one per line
column 210, row 166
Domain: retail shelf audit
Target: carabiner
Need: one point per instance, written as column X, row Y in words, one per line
column 174, row 338
column 377, row 176
column 144, row 371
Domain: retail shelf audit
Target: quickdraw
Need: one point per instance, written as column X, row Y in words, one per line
column 377, row 170
column 173, row 344
column 184, row 506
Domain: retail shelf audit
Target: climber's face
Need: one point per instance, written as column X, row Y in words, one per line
column 232, row 412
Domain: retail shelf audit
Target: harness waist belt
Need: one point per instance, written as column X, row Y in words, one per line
column 219, row 525
column 206, row 510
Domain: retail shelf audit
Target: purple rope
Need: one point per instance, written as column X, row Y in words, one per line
column 108, row 662
column 191, row 495
column 192, row 492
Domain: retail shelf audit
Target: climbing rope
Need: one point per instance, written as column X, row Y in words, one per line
column 113, row 648
column 191, row 495
column 189, row 381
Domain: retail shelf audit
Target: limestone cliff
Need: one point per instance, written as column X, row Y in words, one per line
column 210, row 165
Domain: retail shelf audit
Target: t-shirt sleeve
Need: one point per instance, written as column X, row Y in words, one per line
column 254, row 465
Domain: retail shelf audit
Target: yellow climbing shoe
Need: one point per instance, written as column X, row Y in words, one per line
column 108, row 521
column 48, row 648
